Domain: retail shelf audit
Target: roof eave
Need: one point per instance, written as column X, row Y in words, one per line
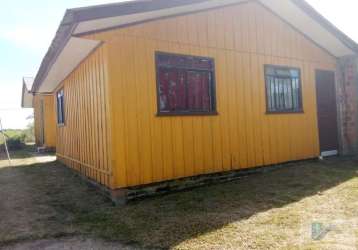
column 309, row 10
column 73, row 17
column 25, row 93
column 22, row 95
column 63, row 34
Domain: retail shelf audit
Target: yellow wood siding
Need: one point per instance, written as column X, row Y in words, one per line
column 45, row 121
column 83, row 142
column 241, row 39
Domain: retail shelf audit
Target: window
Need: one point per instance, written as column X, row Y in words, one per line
column 283, row 89
column 186, row 84
column 60, row 107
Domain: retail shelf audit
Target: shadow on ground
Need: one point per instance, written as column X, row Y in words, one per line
column 23, row 152
column 26, row 156
column 60, row 204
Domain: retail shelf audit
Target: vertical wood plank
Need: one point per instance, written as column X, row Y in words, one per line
column 115, row 127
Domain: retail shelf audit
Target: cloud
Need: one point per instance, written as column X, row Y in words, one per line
column 11, row 113
column 342, row 13
column 15, row 118
column 28, row 37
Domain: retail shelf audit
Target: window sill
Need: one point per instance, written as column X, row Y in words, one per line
column 284, row 112
column 165, row 114
column 61, row 125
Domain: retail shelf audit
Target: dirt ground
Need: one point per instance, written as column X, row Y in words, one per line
column 44, row 205
column 74, row 243
column 26, row 220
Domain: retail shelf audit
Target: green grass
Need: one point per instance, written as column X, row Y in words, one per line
column 19, row 157
column 265, row 211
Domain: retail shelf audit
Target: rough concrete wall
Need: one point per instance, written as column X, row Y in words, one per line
column 347, row 89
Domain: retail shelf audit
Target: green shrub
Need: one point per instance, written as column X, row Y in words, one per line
column 15, row 139
column 16, row 143
column 29, row 133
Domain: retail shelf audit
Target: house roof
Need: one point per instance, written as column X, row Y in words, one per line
column 68, row 49
column 28, row 81
column 26, row 98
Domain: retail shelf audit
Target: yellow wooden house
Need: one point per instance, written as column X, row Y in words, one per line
column 147, row 92
column 44, row 114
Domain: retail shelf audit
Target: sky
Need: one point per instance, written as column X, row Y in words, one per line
column 28, row 27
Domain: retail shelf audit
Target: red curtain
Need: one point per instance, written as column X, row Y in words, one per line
column 182, row 90
column 172, row 90
column 198, row 91
column 184, row 83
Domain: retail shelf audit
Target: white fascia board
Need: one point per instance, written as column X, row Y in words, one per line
column 110, row 22
column 300, row 20
column 287, row 10
column 75, row 51
column 26, row 98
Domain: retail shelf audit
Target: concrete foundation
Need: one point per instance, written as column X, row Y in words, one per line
column 123, row 196
column 43, row 150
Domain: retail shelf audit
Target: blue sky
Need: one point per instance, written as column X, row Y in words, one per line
column 27, row 28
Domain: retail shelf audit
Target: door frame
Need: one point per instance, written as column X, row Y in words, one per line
column 42, row 122
column 338, row 115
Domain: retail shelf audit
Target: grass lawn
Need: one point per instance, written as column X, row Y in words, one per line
column 274, row 210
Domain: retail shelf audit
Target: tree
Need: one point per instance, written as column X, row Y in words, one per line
column 30, row 133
